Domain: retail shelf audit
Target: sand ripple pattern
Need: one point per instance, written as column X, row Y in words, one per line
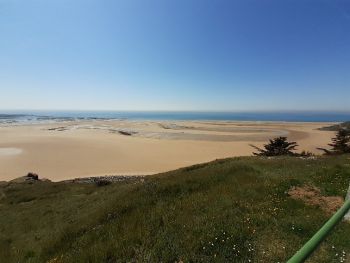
column 178, row 131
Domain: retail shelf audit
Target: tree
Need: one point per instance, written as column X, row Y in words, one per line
column 340, row 143
column 276, row 147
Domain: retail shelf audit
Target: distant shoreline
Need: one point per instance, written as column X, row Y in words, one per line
column 28, row 117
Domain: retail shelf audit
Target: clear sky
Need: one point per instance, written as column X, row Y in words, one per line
column 175, row 54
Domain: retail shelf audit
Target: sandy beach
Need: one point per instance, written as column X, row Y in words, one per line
column 72, row 149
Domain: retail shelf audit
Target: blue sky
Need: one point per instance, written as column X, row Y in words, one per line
column 233, row 55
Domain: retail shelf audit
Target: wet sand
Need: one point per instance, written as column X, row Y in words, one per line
column 74, row 149
column 10, row 151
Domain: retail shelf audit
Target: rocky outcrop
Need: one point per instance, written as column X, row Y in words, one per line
column 29, row 178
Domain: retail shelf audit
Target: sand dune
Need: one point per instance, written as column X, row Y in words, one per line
column 68, row 150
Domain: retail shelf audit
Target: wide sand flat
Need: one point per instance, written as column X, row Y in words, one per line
column 89, row 148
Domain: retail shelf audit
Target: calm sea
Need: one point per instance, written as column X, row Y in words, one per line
column 47, row 116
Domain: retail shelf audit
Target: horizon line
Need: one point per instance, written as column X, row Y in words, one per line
column 201, row 110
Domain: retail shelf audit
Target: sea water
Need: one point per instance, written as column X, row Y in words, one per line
column 13, row 117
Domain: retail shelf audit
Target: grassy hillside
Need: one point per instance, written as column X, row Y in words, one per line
column 232, row 210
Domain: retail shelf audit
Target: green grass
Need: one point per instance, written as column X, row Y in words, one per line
column 231, row 210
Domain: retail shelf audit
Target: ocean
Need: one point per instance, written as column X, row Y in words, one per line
column 10, row 117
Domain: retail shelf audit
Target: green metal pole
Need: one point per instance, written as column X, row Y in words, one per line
column 313, row 243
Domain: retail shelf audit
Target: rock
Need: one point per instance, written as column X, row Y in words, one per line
column 125, row 133
column 33, row 176
column 29, row 178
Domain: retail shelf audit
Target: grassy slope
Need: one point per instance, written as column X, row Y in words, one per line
column 229, row 210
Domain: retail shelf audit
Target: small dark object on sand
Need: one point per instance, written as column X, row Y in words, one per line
column 125, row 133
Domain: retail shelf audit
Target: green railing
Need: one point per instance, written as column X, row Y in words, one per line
column 313, row 243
